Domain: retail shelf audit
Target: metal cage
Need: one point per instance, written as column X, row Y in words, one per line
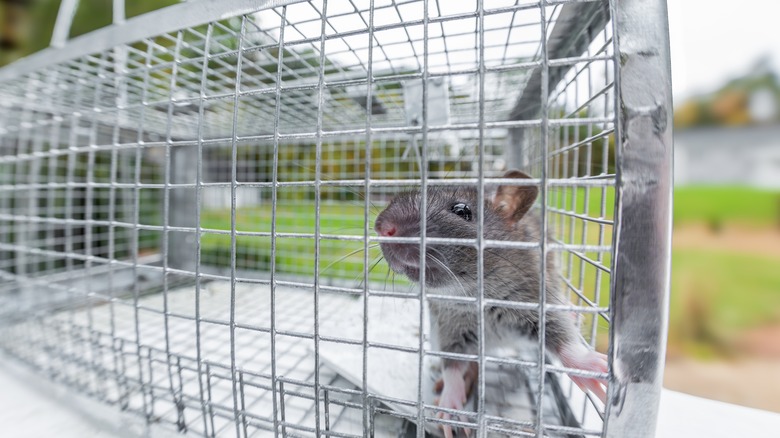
column 187, row 200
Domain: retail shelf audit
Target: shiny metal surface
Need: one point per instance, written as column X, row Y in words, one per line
column 640, row 287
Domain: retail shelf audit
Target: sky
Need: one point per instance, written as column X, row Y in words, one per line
column 713, row 41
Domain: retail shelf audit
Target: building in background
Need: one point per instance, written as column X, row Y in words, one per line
column 746, row 156
column 731, row 136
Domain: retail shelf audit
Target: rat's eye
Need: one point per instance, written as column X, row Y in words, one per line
column 462, row 210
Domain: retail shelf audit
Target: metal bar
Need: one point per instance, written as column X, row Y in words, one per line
column 118, row 11
column 366, row 400
column 543, row 194
column 351, row 132
column 135, row 238
column 199, row 230
column 282, row 422
column 573, row 15
column 243, row 404
column 317, row 206
column 597, row 181
column 423, row 223
column 167, row 213
column 643, row 207
column 233, row 246
column 112, row 211
column 482, row 330
column 89, row 211
column 65, row 16
column 274, row 201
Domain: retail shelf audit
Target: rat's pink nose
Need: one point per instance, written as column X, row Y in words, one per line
column 384, row 228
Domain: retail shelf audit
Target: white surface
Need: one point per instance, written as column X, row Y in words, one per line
column 32, row 407
column 682, row 415
column 396, row 321
column 294, row 360
column 27, row 413
column 35, row 409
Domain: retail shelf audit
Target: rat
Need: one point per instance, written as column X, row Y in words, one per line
column 511, row 274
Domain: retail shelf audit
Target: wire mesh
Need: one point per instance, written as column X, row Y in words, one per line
column 186, row 218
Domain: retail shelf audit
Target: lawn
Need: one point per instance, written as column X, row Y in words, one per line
column 343, row 259
column 718, row 293
column 719, row 206
column 714, row 293
column 735, row 290
column 710, row 205
column 339, row 259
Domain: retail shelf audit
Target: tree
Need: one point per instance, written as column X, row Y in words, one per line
column 27, row 25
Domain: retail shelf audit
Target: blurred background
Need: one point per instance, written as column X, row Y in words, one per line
column 724, row 329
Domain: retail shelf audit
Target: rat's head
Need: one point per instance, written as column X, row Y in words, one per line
column 451, row 212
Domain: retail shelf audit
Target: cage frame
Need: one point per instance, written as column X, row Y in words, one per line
column 639, row 290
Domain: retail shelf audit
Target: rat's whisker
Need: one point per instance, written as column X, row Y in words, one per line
column 341, row 259
column 334, row 230
column 371, row 268
column 387, row 275
column 449, row 271
column 360, row 195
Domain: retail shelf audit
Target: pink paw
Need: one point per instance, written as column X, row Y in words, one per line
column 455, row 383
column 587, row 360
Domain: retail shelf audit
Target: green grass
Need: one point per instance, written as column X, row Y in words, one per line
column 709, row 205
column 738, row 290
column 717, row 294
column 727, row 205
column 294, row 255
column 714, row 293
column 339, row 259
column 584, row 201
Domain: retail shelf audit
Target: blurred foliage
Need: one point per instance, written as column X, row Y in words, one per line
column 94, row 14
column 71, row 203
column 26, row 26
column 347, row 160
column 735, row 103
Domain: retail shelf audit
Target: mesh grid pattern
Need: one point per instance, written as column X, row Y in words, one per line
column 185, row 219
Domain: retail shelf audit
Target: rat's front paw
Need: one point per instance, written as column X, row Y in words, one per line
column 587, row 360
column 454, row 393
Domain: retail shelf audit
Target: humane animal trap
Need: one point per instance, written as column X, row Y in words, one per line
column 187, row 201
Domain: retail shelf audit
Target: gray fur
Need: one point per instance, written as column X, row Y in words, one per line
column 509, row 274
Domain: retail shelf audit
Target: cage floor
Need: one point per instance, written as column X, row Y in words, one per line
column 28, row 408
column 143, row 356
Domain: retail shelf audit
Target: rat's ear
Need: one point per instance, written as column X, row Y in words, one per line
column 513, row 202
